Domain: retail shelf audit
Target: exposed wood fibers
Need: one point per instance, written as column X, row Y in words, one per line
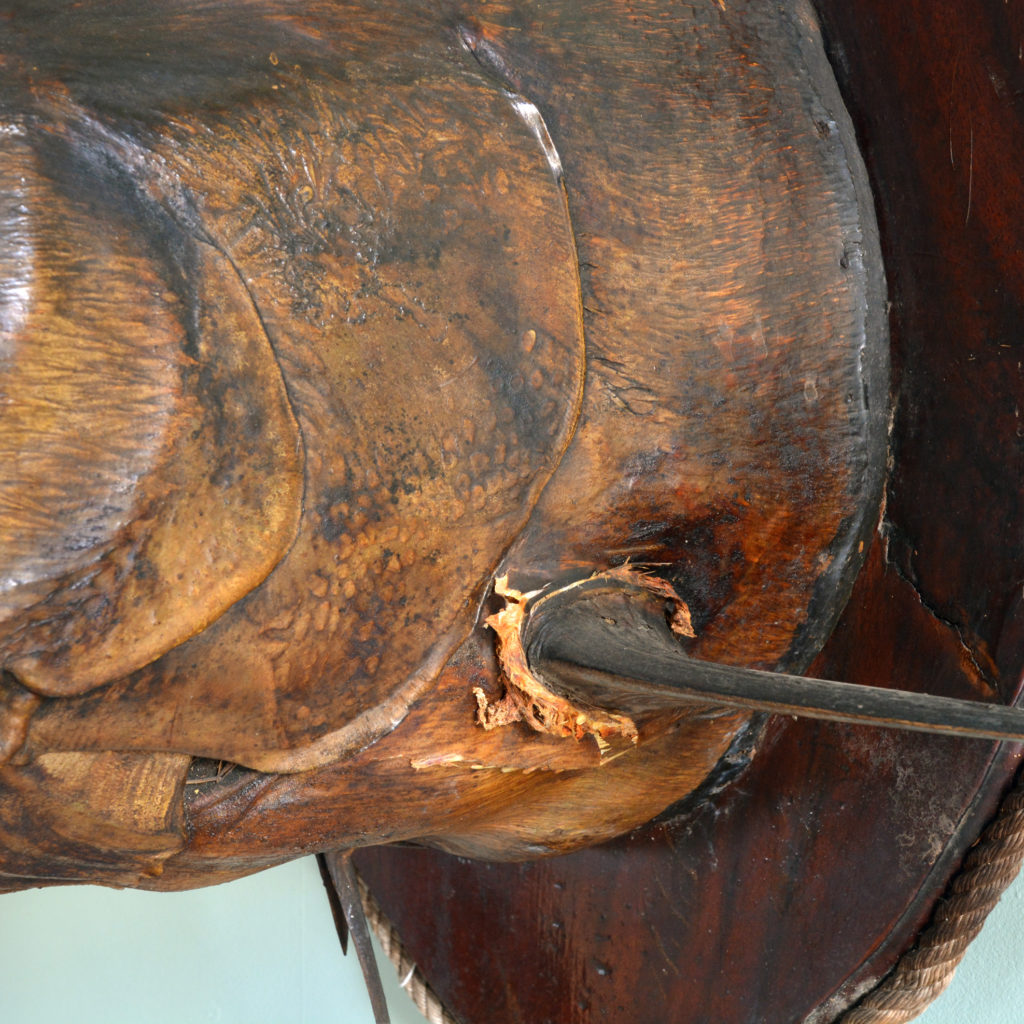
column 526, row 697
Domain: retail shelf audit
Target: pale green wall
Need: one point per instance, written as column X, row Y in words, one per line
column 263, row 951
column 989, row 986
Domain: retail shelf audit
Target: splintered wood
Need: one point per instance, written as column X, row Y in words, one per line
column 527, row 699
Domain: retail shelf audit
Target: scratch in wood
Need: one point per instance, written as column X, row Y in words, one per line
column 533, row 120
column 664, row 952
column 952, row 93
column 970, row 176
column 907, row 574
column 761, row 337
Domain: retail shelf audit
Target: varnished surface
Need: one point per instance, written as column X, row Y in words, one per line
column 433, row 373
column 733, row 304
column 546, row 292
column 798, row 886
column 538, row 814
column 129, row 521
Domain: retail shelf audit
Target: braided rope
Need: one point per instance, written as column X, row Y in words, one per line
column 923, row 973
column 411, row 979
column 920, row 976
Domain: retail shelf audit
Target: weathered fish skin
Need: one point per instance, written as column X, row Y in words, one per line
column 314, row 327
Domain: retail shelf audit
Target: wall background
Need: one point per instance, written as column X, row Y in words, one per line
column 263, row 951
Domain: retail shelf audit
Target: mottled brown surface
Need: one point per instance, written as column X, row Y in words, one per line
column 141, row 498
column 433, row 372
column 791, row 891
column 713, row 194
column 665, row 423
column 546, row 291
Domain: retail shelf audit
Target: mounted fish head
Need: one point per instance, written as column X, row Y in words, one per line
column 294, row 371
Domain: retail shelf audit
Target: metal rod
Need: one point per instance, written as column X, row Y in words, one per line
column 339, row 866
column 626, row 658
column 781, row 694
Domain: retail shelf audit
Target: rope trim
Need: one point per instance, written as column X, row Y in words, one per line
column 919, row 977
column 423, row 996
column 923, row 973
